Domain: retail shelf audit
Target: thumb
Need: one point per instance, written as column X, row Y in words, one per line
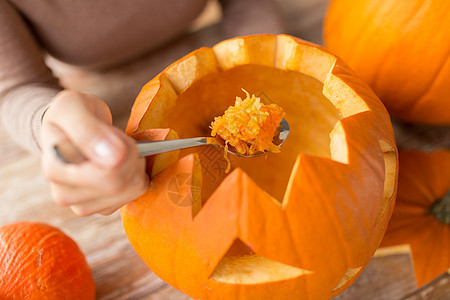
column 77, row 115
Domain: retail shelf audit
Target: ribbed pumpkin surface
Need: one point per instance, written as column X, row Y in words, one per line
column 38, row 261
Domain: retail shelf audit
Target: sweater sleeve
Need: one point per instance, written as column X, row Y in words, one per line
column 26, row 83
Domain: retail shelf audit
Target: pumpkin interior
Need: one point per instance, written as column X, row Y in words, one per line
column 242, row 266
column 310, row 114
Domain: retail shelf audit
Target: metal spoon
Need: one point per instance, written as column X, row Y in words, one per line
column 68, row 153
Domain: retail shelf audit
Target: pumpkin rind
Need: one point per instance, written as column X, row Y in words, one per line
column 424, row 179
column 400, row 48
column 334, row 210
column 40, row 262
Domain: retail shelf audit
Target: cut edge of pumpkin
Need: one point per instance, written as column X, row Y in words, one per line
column 393, row 250
column 160, row 100
column 339, row 144
column 343, row 97
column 231, row 53
column 250, row 268
column 390, row 175
column 157, row 163
column 349, row 277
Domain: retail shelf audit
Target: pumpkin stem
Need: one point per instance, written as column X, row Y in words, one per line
column 441, row 209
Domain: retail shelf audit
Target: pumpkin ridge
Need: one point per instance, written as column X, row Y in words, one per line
column 392, row 46
column 24, row 260
column 36, row 267
column 425, row 235
column 43, row 264
column 357, row 35
column 418, row 101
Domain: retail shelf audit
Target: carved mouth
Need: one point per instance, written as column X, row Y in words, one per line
column 242, row 266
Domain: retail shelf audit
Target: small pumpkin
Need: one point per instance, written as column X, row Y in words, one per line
column 421, row 218
column 401, row 49
column 38, row 261
column 301, row 223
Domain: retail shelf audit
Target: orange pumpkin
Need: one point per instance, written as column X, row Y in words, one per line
column 401, row 49
column 40, row 262
column 301, row 223
column 421, row 218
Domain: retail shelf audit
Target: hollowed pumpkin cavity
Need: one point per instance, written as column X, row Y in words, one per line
column 311, row 118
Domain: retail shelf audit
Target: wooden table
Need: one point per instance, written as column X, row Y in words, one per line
column 118, row 272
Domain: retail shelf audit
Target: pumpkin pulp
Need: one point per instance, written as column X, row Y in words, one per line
column 249, row 126
column 441, row 209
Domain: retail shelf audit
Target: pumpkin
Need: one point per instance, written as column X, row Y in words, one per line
column 401, row 49
column 421, row 218
column 38, row 261
column 301, row 223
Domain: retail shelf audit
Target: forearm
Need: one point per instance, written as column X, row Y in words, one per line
column 21, row 112
column 26, row 84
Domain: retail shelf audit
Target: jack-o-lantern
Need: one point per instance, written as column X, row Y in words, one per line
column 301, row 223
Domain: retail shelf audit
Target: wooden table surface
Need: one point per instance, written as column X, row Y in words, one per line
column 118, row 272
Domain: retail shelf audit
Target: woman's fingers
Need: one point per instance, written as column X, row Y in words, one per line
column 87, row 201
column 86, row 121
column 109, row 205
column 88, row 188
column 97, row 184
column 110, row 176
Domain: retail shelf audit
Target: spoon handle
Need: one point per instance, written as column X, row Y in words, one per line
column 155, row 147
column 69, row 153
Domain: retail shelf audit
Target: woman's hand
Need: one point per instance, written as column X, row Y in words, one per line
column 112, row 175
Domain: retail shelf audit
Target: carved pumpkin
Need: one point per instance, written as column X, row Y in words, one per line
column 421, row 218
column 40, row 262
column 301, row 223
column 400, row 48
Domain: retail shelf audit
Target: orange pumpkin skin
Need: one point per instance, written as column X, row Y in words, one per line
column 401, row 49
column 424, row 179
column 39, row 261
column 316, row 211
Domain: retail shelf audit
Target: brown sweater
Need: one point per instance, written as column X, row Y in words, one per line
column 85, row 33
